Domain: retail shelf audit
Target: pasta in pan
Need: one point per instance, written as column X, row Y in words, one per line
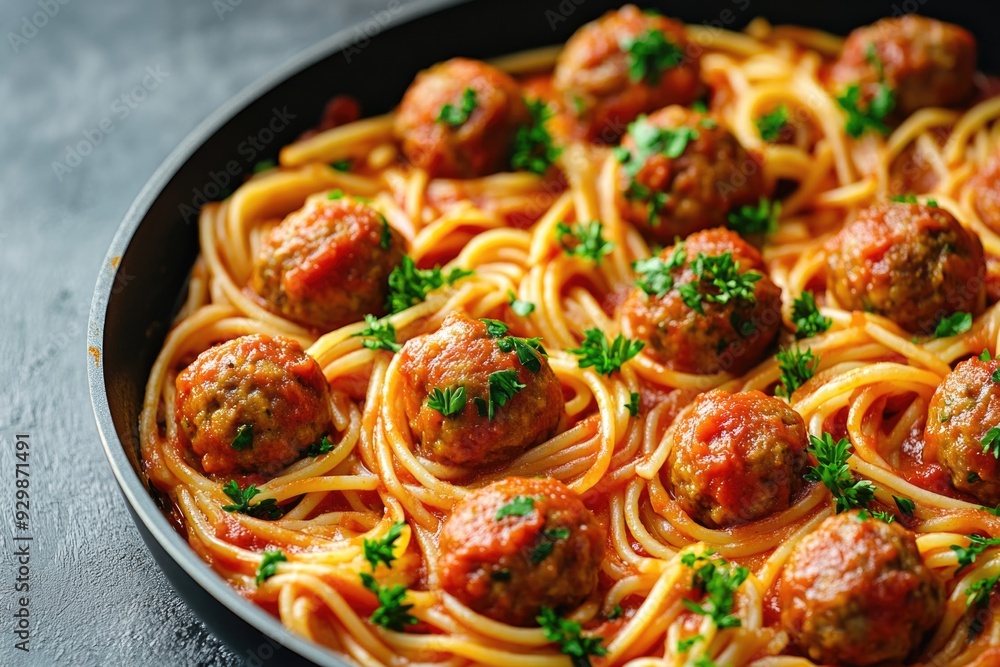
column 670, row 346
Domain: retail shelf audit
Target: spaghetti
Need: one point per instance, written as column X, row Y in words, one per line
column 872, row 383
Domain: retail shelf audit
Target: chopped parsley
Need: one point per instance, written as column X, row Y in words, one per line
column 324, row 446
column 771, row 124
column 568, row 634
column 456, row 116
column 335, row 194
column 265, row 509
column 379, row 335
column 633, row 404
column 502, row 387
column 718, row 581
column 684, row 645
column 519, row 506
column 449, row 402
column 604, row 357
column 797, row 367
column 650, row 140
column 264, row 165
column 977, row 545
column 808, row 320
column 495, row 328
column 385, row 240
column 991, row 442
column 342, row 165
column 649, row 55
column 269, row 565
column 995, row 376
column 544, row 548
column 904, row 505
column 244, row 438
column 391, row 614
column 616, row 613
column 655, row 201
column 759, row 219
column 912, row 199
column 832, row 470
column 873, row 116
column 585, row 240
column 656, row 275
column 980, row 590
column 520, row 308
column 409, row 285
column 985, row 355
column 534, row 150
column 529, row 351
column 381, row 550
column 723, row 274
column 881, row 515
column 953, row 325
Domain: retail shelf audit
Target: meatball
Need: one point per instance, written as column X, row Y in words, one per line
column 328, row 264
column 926, row 63
column 911, row 263
column 626, row 63
column 856, row 591
column 985, row 186
column 252, row 405
column 515, row 546
column 736, row 458
column 682, row 172
column 690, row 324
column 458, row 119
column 963, row 409
column 512, row 399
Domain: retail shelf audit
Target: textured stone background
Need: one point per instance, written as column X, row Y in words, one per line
column 97, row 597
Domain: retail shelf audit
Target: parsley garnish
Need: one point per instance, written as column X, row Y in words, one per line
column 905, row 505
column 995, row 376
column 991, row 442
column 544, row 548
column 519, row 506
column 656, row 275
column 797, row 367
column 495, row 328
column 568, row 635
column 684, row 645
column 455, row 116
column 529, row 351
column 808, row 320
column 391, row 614
column 533, row 147
column 833, row 471
column 759, row 219
column 381, row 550
column 502, row 387
column 633, row 404
column 723, row 274
column 771, row 124
column 409, row 285
column 985, row 355
column 265, row 509
column 520, row 308
column 244, row 438
column 449, row 402
column 380, row 335
column 589, row 240
column 977, row 545
column 385, row 240
column 649, row 55
column 655, row 201
column 650, row 140
column 858, row 119
column 616, row 613
column 605, row 358
column 953, row 325
column 719, row 581
column 882, row 515
column 342, row 165
column 264, row 165
column 269, row 565
column 324, row 446
column 980, row 590
column 335, row 194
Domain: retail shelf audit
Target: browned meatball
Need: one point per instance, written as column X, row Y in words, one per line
column 458, row 119
column 926, row 63
column 518, row 545
column 911, row 263
column 328, row 264
column 857, row 592
column 511, row 398
column 963, row 409
column 691, row 325
column 682, row 172
column 736, row 458
column 985, row 186
column 251, row 405
column 626, row 63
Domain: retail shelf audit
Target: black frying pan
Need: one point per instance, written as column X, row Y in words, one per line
column 146, row 269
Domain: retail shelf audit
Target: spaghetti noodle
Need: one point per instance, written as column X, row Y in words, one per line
column 872, row 382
